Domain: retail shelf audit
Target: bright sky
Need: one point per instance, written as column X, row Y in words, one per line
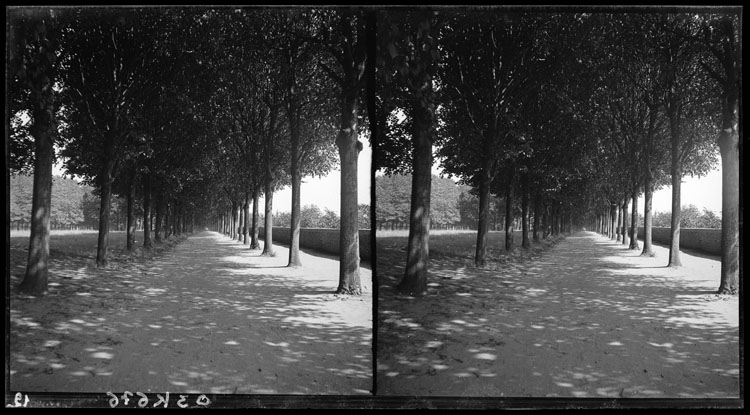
column 326, row 192
column 701, row 192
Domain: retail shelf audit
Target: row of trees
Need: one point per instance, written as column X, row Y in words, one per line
column 73, row 206
column 456, row 206
column 192, row 113
column 572, row 114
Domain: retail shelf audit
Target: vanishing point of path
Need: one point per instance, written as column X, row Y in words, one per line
column 587, row 318
column 211, row 316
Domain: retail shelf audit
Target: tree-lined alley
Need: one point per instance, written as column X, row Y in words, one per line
column 191, row 113
column 568, row 115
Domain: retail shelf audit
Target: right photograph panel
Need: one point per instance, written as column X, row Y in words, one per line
column 557, row 202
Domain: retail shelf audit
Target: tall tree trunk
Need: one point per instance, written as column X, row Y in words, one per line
column 545, row 222
column 647, row 216
column 256, row 219
column 617, row 220
column 167, row 220
column 268, row 228
column 296, row 176
column 729, row 142
column 147, row 210
column 537, row 214
column 130, row 226
column 624, row 214
column 36, row 276
column 235, row 219
column 159, row 213
column 349, row 147
column 246, row 215
column 415, row 276
column 525, row 243
column 676, row 170
column 106, row 203
column 730, row 215
column 41, row 78
column 634, row 222
column 485, row 180
column 509, row 213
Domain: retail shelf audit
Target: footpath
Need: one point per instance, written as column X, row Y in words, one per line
column 586, row 319
column 211, row 316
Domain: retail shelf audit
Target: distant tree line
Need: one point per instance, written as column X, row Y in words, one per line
column 75, row 206
column 690, row 217
column 312, row 217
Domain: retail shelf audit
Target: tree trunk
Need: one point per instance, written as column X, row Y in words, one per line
column 729, row 142
column 147, row 210
column 647, row 217
column 268, row 229
column 240, row 220
column 159, row 219
column 676, row 170
column 35, row 278
column 130, row 227
column 730, row 215
column 294, row 228
column 349, row 147
column 256, row 219
column 537, row 214
column 235, row 219
column 106, row 202
column 415, row 276
column 246, row 215
column 525, row 243
column 545, row 222
column 634, row 222
column 617, row 221
column 624, row 214
column 485, row 180
column 509, row 213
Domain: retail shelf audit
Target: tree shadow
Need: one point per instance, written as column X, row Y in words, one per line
column 200, row 320
column 578, row 321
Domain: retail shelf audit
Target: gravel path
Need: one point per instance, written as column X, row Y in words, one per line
column 587, row 318
column 211, row 316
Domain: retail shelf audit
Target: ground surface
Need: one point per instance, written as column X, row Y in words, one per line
column 209, row 316
column 585, row 318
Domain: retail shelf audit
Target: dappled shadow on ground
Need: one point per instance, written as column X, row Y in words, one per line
column 210, row 317
column 587, row 318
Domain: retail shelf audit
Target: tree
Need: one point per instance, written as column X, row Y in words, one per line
column 364, row 217
column 444, row 202
column 722, row 38
column 347, row 38
column 392, row 194
column 35, row 65
column 687, row 107
column 116, row 62
column 409, row 56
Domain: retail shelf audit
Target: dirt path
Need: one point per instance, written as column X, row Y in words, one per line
column 209, row 317
column 587, row 318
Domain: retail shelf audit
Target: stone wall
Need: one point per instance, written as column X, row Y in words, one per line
column 701, row 239
column 322, row 240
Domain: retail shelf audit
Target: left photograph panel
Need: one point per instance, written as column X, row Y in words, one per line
column 189, row 202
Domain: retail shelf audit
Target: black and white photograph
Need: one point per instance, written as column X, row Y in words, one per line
column 557, row 203
column 189, row 202
column 374, row 206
